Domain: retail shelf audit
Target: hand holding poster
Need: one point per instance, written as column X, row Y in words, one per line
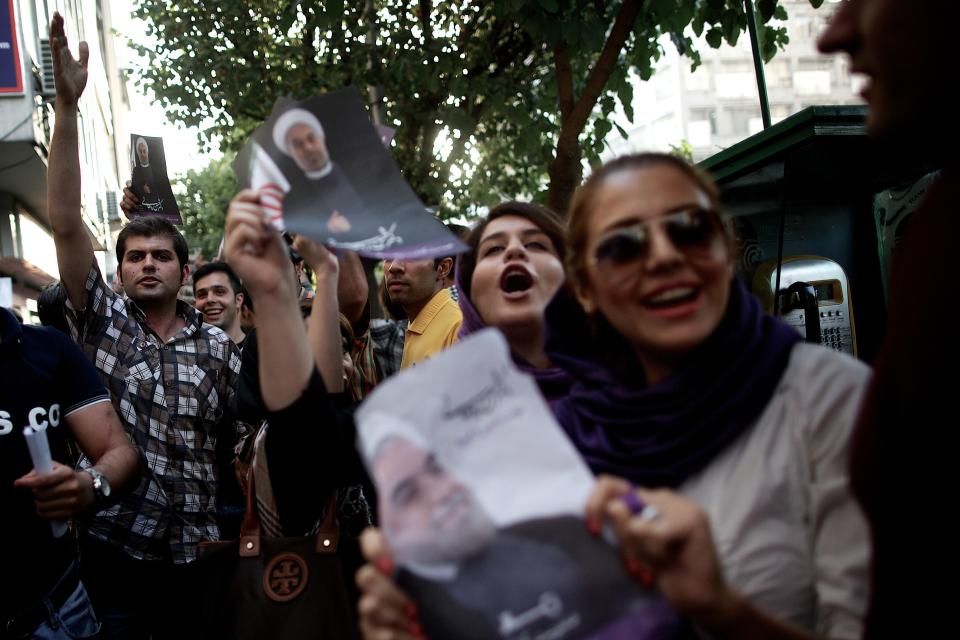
column 321, row 169
column 149, row 179
column 482, row 499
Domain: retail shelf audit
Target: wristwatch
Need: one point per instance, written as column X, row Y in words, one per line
column 101, row 488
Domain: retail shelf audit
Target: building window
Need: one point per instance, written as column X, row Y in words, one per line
column 740, row 119
column 705, row 114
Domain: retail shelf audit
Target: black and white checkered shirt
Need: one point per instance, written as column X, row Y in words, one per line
column 171, row 397
column 387, row 343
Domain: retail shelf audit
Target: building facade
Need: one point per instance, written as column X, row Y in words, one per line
column 27, row 253
column 717, row 105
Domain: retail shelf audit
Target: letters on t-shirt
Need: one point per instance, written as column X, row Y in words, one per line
column 38, row 418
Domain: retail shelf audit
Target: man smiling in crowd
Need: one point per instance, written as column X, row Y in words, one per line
column 218, row 296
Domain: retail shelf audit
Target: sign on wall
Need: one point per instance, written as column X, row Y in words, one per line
column 11, row 74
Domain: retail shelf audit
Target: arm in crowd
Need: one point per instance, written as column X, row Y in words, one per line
column 66, row 491
column 258, row 255
column 74, row 251
column 310, row 447
column 352, row 288
column 95, row 426
column 323, row 328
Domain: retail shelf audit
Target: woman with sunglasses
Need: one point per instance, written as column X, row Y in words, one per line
column 690, row 387
column 686, row 384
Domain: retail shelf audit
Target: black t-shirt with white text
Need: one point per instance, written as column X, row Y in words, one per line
column 44, row 377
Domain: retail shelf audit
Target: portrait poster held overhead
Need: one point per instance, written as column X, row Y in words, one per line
column 481, row 498
column 149, row 179
column 322, row 170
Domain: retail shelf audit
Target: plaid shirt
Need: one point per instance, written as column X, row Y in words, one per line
column 385, row 340
column 171, row 397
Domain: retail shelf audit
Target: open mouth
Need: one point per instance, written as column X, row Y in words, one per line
column 516, row 280
column 672, row 297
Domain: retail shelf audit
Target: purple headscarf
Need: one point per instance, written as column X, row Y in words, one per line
column 554, row 382
column 660, row 435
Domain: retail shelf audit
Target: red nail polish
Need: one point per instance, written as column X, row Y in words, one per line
column 415, row 629
column 410, row 610
column 645, row 576
column 593, row 526
column 633, row 567
column 384, row 565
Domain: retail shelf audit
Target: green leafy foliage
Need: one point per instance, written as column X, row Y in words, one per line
column 472, row 86
column 203, row 197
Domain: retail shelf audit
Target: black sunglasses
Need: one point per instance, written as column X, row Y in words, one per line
column 690, row 229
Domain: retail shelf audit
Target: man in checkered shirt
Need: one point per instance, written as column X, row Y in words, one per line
column 171, row 379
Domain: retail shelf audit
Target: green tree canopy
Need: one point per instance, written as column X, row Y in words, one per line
column 203, row 197
column 491, row 99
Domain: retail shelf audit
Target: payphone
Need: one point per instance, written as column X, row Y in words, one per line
column 814, row 298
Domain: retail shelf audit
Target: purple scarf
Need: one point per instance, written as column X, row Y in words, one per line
column 554, row 383
column 658, row 436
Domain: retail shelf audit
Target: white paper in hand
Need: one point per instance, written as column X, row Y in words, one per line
column 43, row 463
column 487, row 420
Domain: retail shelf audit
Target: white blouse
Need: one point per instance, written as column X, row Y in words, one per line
column 789, row 534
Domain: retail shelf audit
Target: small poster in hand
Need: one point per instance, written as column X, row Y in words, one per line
column 149, row 179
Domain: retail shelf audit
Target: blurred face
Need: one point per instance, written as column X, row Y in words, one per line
column 903, row 48
column 411, row 282
column 517, row 272
column 658, row 265
column 142, row 152
column 215, row 299
column 429, row 516
column 150, row 271
column 308, row 147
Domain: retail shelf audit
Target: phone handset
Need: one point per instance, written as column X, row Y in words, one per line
column 803, row 296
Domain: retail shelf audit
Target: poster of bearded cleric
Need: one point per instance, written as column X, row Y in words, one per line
column 481, row 498
column 322, row 169
column 149, row 179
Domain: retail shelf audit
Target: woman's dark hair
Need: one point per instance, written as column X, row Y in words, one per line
column 545, row 219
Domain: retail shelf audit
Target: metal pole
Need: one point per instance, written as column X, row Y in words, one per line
column 758, row 63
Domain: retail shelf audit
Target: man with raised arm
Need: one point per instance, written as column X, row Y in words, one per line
column 170, row 378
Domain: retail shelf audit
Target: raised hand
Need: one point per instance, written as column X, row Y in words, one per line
column 70, row 74
column 130, row 202
column 318, row 257
column 256, row 251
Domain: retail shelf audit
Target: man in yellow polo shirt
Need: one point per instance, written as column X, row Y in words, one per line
column 434, row 318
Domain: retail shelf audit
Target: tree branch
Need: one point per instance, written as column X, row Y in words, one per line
column 561, row 63
column 425, row 24
column 604, row 66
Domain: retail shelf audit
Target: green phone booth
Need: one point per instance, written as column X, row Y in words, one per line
column 818, row 207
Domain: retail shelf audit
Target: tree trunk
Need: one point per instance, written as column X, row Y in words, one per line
column 566, row 172
column 566, row 169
